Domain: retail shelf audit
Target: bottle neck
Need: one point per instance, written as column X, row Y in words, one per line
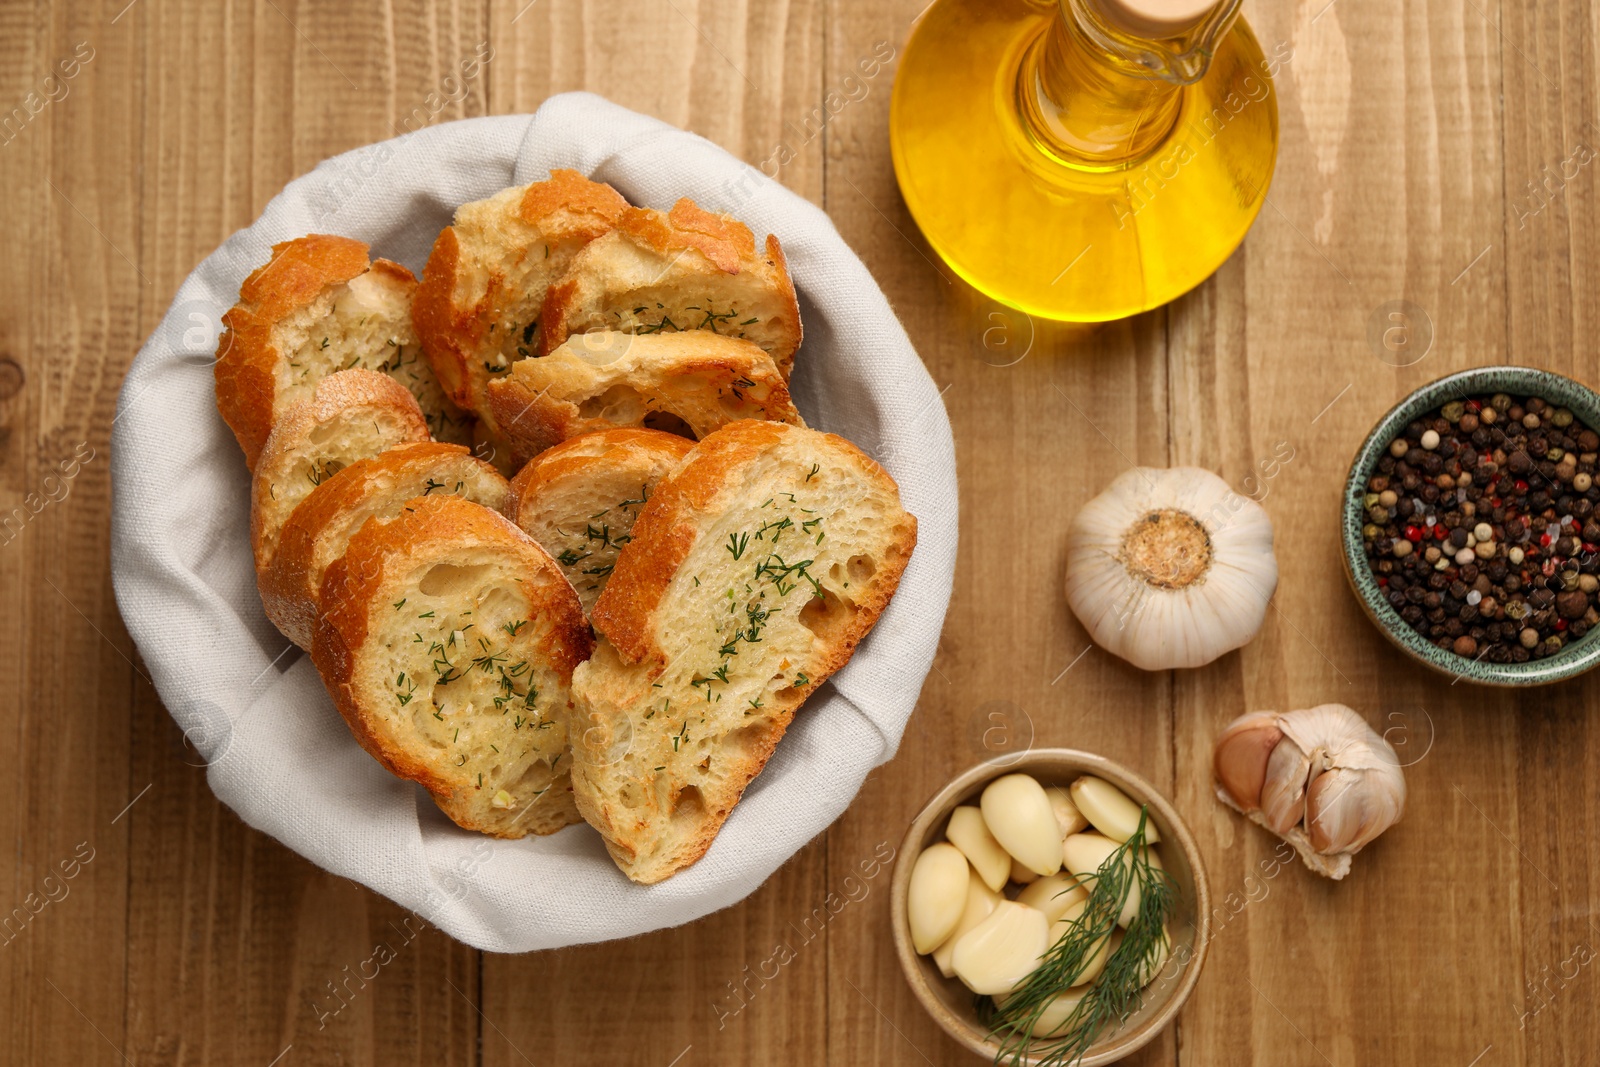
column 1094, row 97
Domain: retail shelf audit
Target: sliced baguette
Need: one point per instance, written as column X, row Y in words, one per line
column 579, row 499
column 319, row 530
column 687, row 383
column 753, row 573
column 685, row 269
column 483, row 289
column 350, row 415
column 319, row 306
column 448, row 642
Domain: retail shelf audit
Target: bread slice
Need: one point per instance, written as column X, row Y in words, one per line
column 754, row 572
column 579, row 499
column 320, row 306
column 483, row 289
column 687, row 269
column 689, row 384
column 350, row 415
column 319, row 530
column 448, row 642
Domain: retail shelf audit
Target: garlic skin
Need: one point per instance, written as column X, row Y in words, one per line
column 1320, row 778
column 1170, row 567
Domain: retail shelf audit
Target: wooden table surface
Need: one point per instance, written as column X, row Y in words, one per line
column 1433, row 152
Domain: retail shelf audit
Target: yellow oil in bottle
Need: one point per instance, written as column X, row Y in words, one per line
column 1073, row 171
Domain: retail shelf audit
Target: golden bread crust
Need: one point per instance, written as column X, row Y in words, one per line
column 492, row 266
column 687, row 269
column 665, row 739
column 296, row 275
column 351, row 415
column 580, row 499
column 319, row 528
column 691, row 382
column 353, row 636
column 318, row 306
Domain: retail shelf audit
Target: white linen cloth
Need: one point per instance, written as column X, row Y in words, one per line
column 276, row 750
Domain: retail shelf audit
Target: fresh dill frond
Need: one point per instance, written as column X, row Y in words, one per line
column 1118, row 992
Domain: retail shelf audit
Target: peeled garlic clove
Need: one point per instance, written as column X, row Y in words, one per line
column 1019, row 816
column 1052, row 1021
column 1020, row 874
column 968, row 833
column 1053, row 895
column 936, row 895
column 1085, row 854
column 998, row 953
column 981, row 900
column 1095, row 960
column 1283, row 795
column 1240, row 760
column 1156, row 964
column 1068, row 816
column 1109, row 810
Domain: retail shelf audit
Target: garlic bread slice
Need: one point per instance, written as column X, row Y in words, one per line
column 317, row 307
column 671, row 271
column 448, row 640
column 478, row 307
column 319, row 530
column 580, row 499
column 349, row 416
column 689, row 384
column 753, row 573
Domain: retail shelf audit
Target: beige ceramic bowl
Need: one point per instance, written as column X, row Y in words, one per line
column 953, row 1006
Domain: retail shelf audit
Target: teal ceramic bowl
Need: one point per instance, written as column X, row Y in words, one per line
column 1584, row 403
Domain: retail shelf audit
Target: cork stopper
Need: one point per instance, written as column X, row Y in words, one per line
column 1159, row 19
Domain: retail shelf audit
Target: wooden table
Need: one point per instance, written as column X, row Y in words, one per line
column 1434, row 153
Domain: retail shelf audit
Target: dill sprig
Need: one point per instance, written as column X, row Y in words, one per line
column 1118, row 992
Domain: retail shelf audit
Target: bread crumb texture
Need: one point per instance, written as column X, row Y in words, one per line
column 449, row 647
column 753, row 573
column 580, row 499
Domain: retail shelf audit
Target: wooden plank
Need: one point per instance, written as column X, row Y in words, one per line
column 71, row 289
column 1547, row 63
column 1464, row 936
column 239, row 950
column 1044, row 416
column 1388, row 188
column 743, row 75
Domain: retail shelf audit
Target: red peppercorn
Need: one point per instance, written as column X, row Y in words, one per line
column 1590, row 549
column 1561, row 624
column 1522, row 486
column 1383, row 583
column 1413, row 534
column 1474, row 405
column 1494, row 502
column 1439, row 532
column 1544, row 540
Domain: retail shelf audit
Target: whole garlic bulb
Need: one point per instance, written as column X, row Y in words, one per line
column 1321, row 779
column 1170, row 568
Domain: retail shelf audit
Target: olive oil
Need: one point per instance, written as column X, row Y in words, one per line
column 1074, row 170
